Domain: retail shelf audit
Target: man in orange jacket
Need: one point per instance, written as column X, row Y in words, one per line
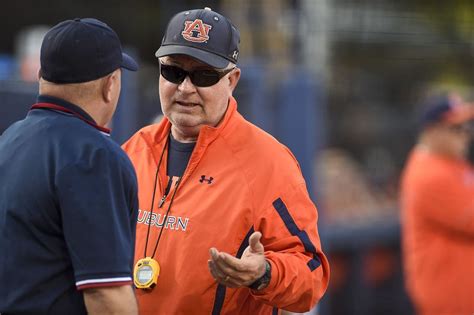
column 438, row 212
column 225, row 224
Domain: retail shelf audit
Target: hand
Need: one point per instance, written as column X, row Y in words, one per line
column 234, row 272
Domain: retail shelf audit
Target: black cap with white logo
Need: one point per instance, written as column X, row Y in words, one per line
column 204, row 35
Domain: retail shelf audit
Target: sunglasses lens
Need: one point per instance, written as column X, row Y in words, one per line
column 462, row 128
column 204, row 78
column 172, row 73
column 201, row 78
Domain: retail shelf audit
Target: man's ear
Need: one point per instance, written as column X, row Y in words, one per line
column 234, row 78
column 108, row 85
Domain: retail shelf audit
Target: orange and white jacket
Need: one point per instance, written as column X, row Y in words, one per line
column 256, row 185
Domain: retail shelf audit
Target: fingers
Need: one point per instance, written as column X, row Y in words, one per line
column 254, row 242
column 214, row 253
column 221, row 277
column 232, row 266
column 226, row 269
column 226, row 264
column 218, row 267
column 241, row 272
column 237, row 272
column 216, row 272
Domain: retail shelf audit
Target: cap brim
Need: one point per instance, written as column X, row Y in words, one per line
column 128, row 63
column 208, row 58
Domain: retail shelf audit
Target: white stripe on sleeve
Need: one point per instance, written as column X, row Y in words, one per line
column 122, row 279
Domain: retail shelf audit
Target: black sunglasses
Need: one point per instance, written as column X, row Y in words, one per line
column 201, row 78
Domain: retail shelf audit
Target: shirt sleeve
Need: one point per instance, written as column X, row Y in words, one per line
column 97, row 198
column 300, row 270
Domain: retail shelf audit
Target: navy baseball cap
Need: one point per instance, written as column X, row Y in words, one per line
column 81, row 50
column 201, row 34
column 445, row 110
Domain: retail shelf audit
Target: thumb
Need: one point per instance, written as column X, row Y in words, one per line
column 254, row 243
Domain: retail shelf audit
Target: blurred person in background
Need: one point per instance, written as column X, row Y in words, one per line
column 437, row 200
column 68, row 193
column 226, row 225
column 344, row 190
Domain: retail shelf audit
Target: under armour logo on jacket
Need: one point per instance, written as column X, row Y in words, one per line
column 204, row 179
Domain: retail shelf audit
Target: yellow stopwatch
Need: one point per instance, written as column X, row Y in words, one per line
column 145, row 273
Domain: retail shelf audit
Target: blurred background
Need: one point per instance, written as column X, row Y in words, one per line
column 338, row 81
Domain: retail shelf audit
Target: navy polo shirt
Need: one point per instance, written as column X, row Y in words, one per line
column 68, row 209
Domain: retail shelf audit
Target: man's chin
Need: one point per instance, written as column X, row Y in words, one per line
column 183, row 122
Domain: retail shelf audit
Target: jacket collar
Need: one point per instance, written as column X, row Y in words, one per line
column 156, row 139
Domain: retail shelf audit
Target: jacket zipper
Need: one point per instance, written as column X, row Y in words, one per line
column 167, row 191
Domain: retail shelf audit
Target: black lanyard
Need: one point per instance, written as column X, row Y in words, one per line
column 161, row 203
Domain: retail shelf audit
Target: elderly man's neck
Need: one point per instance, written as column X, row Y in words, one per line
column 440, row 147
column 85, row 95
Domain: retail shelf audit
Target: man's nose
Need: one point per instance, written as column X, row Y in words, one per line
column 187, row 85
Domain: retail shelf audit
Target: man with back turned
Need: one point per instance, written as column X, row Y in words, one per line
column 68, row 193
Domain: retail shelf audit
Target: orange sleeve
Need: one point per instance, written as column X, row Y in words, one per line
column 300, row 270
column 448, row 204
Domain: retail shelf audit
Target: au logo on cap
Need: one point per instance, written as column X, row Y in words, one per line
column 196, row 31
